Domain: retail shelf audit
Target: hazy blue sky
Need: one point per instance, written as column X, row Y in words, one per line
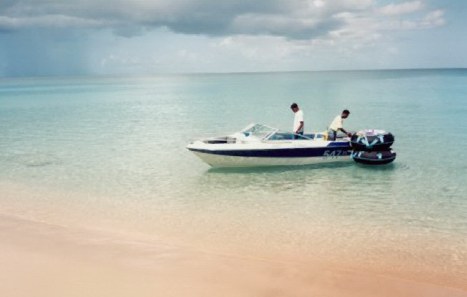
column 77, row 37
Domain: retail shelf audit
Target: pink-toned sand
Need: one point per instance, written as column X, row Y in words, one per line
column 39, row 259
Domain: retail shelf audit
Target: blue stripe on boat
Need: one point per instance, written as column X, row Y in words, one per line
column 334, row 150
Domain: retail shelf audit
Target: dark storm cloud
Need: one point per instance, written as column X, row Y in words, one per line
column 293, row 19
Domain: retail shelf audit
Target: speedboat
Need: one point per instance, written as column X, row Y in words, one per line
column 261, row 145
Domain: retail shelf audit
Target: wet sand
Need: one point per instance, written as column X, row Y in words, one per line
column 40, row 259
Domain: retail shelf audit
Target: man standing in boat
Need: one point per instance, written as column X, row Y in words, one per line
column 298, row 123
column 337, row 125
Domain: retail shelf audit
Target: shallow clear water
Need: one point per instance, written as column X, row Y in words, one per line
column 121, row 143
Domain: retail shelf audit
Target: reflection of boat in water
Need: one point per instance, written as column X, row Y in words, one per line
column 260, row 145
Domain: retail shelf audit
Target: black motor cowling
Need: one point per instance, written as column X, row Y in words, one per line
column 374, row 157
column 374, row 140
column 372, row 147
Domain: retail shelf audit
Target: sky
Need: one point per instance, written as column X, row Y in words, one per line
column 144, row 37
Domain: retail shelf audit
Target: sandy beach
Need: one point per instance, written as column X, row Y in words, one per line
column 40, row 259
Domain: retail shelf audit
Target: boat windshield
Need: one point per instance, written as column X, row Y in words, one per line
column 281, row 135
column 264, row 132
column 259, row 131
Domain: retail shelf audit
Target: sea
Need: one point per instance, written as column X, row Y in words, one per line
column 110, row 153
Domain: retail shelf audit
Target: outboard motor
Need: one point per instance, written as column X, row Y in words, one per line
column 372, row 147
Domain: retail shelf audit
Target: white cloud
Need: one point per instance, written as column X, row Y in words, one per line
column 253, row 48
column 434, row 19
column 12, row 23
column 430, row 20
column 319, row 3
column 402, row 8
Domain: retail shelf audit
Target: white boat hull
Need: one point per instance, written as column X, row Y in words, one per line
column 259, row 145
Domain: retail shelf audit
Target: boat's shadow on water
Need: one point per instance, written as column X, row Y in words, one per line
column 273, row 169
column 279, row 169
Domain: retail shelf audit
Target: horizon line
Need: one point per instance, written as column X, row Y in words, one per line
column 117, row 75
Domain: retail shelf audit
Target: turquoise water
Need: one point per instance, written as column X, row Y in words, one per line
column 121, row 143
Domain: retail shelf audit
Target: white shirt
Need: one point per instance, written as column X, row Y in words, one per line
column 337, row 123
column 296, row 121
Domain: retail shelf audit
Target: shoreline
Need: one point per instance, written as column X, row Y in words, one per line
column 51, row 260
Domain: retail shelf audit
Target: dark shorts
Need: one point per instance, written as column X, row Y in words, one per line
column 332, row 135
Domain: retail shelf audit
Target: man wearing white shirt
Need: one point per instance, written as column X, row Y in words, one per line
column 298, row 123
column 337, row 125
